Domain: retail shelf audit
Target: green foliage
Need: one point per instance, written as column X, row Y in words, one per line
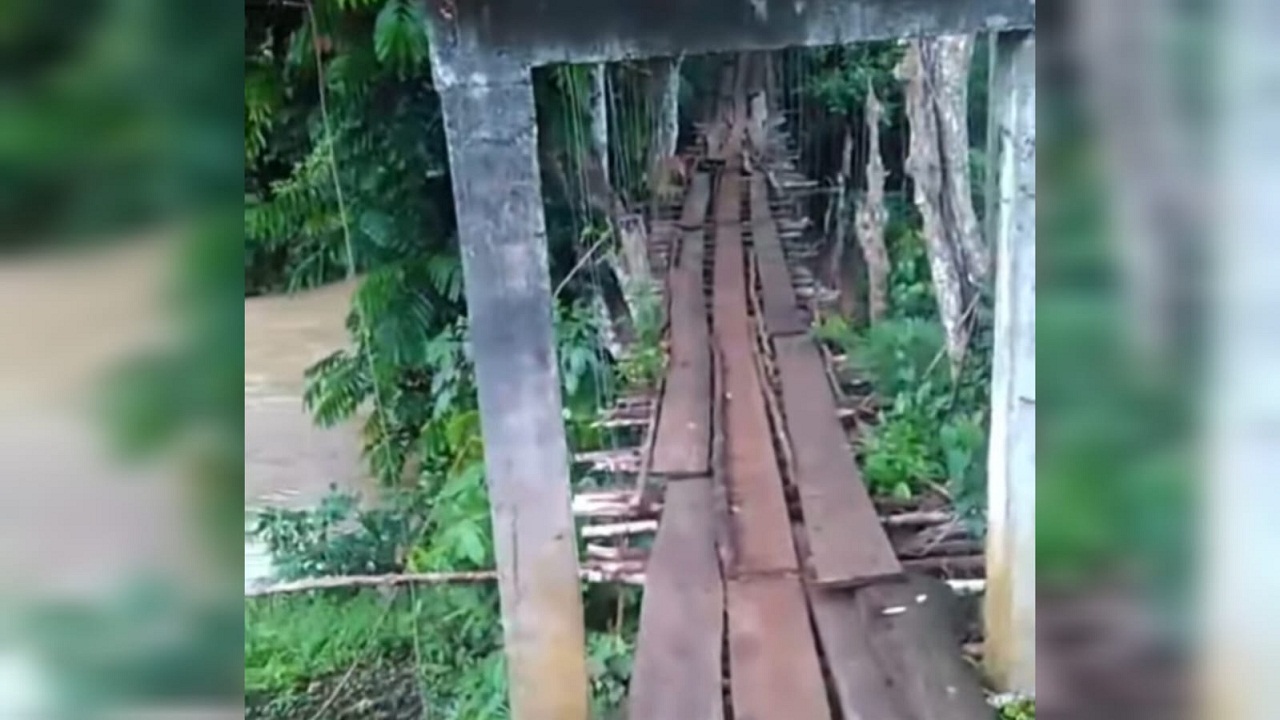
column 336, row 538
column 147, row 643
column 645, row 361
column 1022, row 709
column 609, row 670
column 932, row 429
column 358, row 184
column 399, row 35
column 364, row 172
column 847, row 71
column 450, row 638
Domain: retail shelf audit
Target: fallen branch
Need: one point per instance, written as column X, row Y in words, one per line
column 627, row 572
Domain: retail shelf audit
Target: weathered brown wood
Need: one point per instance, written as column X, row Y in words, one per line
column 694, row 212
column 911, row 627
column 760, row 526
column 773, row 660
column 781, row 315
column 847, row 543
column 863, row 688
column 678, row 653
column 682, row 442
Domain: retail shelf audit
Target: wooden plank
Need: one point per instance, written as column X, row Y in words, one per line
column 911, row 627
column 677, row 672
column 760, row 526
column 863, row 688
column 847, row 544
column 682, row 443
column 781, row 315
column 694, row 212
column 774, row 670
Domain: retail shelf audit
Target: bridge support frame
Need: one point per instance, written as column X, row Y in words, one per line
column 1010, row 601
column 482, row 55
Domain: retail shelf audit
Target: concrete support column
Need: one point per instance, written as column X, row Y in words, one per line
column 490, row 126
column 1011, row 486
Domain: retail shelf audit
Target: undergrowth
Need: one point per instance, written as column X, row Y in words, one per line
column 1021, row 709
column 931, row 429
column 441, row 647
column 433, row 649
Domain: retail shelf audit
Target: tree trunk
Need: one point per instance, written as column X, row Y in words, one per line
column 924, row 165
column 666, row 95
column 871, row 216
column 837, row 227
column 947, row 60
column 599, row 117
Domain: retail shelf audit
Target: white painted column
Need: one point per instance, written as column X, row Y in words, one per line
column 1010, row 609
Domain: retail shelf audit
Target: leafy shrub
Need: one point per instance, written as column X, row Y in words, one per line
column 898, row 457
column 645, row 361
column 1021, row 709
column 336, row 538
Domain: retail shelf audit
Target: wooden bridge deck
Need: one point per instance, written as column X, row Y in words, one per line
column 748, row 606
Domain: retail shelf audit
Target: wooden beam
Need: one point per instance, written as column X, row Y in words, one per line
column 490, row 129
column 1010, row 602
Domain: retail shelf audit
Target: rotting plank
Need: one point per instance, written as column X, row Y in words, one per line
column 760, row 525
column 682, row 443
column 774, row 670
column 781, row 315
column 847, row 545
column 678, row 654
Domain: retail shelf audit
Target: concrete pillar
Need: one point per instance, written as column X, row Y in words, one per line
column 1011, row 571
column 488, row 106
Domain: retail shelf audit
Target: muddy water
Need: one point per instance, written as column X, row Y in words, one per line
column 289, row 462
column 74, row 518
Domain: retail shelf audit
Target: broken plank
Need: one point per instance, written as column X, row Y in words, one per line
column 682, row 443
column 847, row 544
column 774, row 671
column 677, row 672
column 760, row 526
